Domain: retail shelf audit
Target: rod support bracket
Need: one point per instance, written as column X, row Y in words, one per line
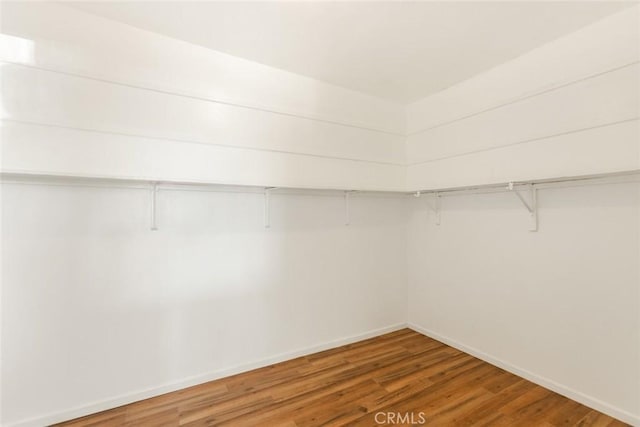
column 530, row 205
column 347, row 212
column 436, row 208
column 154, row 207
column 267, row 206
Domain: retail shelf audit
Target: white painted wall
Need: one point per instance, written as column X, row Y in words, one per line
column 560, row 306
column 99, row 311
column 570, row 107
column 166, row 109
column 99, row 85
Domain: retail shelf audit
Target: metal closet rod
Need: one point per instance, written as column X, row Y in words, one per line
column 165, row 185
column 169, row 185
column 561, row 182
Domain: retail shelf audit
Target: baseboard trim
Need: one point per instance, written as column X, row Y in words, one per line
column 125, row 399
column 586, row 400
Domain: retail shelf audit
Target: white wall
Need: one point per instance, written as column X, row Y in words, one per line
column 97, row 311
column 123, row 102
column 97, row 308
column 560, row 306
column 568, row 108
column 166, row 109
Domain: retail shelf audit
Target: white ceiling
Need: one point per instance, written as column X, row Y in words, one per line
column 401, row 51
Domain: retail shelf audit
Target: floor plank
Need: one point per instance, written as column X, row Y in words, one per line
column 398, row 378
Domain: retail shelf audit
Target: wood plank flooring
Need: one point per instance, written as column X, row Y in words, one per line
column 395, row 379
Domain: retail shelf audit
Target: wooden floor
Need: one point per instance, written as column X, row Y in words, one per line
column 379, row 381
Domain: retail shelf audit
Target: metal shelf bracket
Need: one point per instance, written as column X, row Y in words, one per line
column 347, row 213
column 531, row 205
column 436, row 208
column 267, row 206
column 154, row 207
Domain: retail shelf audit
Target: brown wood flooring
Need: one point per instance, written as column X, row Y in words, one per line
column 402, row 372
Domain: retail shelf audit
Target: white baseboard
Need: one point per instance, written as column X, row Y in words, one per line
column 589, row 401
column 125, row 399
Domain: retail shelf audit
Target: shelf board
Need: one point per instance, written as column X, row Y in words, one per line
column 147, row 183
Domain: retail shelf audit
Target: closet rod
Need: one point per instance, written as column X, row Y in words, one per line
column 570, row 181
column 164, row 185
column 168, row 185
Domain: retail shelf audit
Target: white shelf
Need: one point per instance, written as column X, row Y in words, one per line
column 147, row 183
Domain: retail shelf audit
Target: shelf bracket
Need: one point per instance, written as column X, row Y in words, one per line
column 436, row 208
column 347, row 206
column 347, row 214
column 531, row 205
column 267, row 206
column 154, row 207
